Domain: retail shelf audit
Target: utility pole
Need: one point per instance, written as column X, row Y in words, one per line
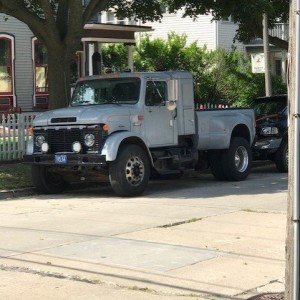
column 292, row 288
column 268, row 83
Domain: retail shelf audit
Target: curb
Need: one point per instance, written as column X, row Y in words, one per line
column 12, row 194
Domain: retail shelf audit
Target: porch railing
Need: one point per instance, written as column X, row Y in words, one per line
column 281, row 30
column 14, row 134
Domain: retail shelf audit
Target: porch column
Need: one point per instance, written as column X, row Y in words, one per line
column 91, row 50
column 130, row 56
column 283, row 66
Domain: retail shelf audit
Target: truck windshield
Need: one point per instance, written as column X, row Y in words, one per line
column 107, row 90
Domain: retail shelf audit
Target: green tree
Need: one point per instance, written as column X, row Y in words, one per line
column 114, row 57
column 234, row 81
column 59, row 24
column 246, row 13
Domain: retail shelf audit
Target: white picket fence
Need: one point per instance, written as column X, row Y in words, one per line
column 14, row 134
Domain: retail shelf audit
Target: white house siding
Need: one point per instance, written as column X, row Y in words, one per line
column 225, row 35
column 202, row 30
column 23, row 60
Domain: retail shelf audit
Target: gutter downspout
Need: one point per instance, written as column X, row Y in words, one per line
column 268, row 82
column 296, row 213
column 216, row 34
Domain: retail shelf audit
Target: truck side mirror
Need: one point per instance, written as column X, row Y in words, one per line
column 171, row 105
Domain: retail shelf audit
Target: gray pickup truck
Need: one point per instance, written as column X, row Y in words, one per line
column 125, row 127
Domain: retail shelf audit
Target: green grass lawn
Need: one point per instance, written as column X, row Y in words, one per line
column 15, row 175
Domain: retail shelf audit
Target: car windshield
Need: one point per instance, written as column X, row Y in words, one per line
column 107, row 90
column 270, row 105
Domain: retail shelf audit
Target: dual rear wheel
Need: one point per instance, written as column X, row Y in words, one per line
column 233, row 164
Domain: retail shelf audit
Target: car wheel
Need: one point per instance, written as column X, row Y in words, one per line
column 47, row 181
column 236, row 161
column 215, row 162
column 282, row 157
column 129, row 173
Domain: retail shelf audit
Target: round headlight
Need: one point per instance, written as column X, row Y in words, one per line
column 89, row 140
column 76, row 147
column 45, row 147
column 39, row 140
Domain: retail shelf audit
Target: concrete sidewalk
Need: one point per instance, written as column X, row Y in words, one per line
column 194, row 241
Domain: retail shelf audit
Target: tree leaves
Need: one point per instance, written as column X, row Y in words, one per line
column 246, row 13
column 219, row 76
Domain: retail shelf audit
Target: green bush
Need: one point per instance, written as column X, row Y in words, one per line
column 114, row 57
column 219, row 76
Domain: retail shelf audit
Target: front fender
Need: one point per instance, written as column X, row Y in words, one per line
column 113, row 142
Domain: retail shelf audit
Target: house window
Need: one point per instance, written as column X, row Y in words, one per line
column 6, row 72
column 165, row 10
column 5, row 65
column 228, row 19
column 41, row 68
column 278, row 67
column 110, row 17
column 121, row 21
column 40, row 64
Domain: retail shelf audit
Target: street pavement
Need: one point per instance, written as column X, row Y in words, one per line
column 193, row 238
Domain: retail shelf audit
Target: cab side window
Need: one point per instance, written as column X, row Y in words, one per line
column 156, row 93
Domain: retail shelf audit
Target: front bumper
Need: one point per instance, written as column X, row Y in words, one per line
column 267, row 144
column 72, row 159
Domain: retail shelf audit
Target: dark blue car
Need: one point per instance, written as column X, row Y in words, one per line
column 272, row 131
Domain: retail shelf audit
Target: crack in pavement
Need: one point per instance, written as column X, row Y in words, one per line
column 77, row 278
column 255, row 289
column 49, row 274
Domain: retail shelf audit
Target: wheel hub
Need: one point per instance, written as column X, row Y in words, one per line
column 135, row 170
column 241, row 159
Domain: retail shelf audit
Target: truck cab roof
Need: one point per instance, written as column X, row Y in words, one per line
column 151, row 75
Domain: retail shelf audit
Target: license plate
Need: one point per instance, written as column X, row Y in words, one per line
column 60, row 159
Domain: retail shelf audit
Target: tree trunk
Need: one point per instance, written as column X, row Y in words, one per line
column 291, row 92
column 59, row 77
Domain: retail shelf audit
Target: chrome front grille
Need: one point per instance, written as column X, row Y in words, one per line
column 61, row 140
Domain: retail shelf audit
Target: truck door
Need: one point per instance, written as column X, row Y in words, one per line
column 159, row 121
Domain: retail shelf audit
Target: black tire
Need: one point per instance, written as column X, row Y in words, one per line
column 47, row 182
column 129, row 173
column 237, row 160
column 281, row 157
column 215, row 162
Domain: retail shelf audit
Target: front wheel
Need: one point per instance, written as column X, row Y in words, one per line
column 47, row 181
column 282, row 157
column 237, row 160
column 129, row 173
